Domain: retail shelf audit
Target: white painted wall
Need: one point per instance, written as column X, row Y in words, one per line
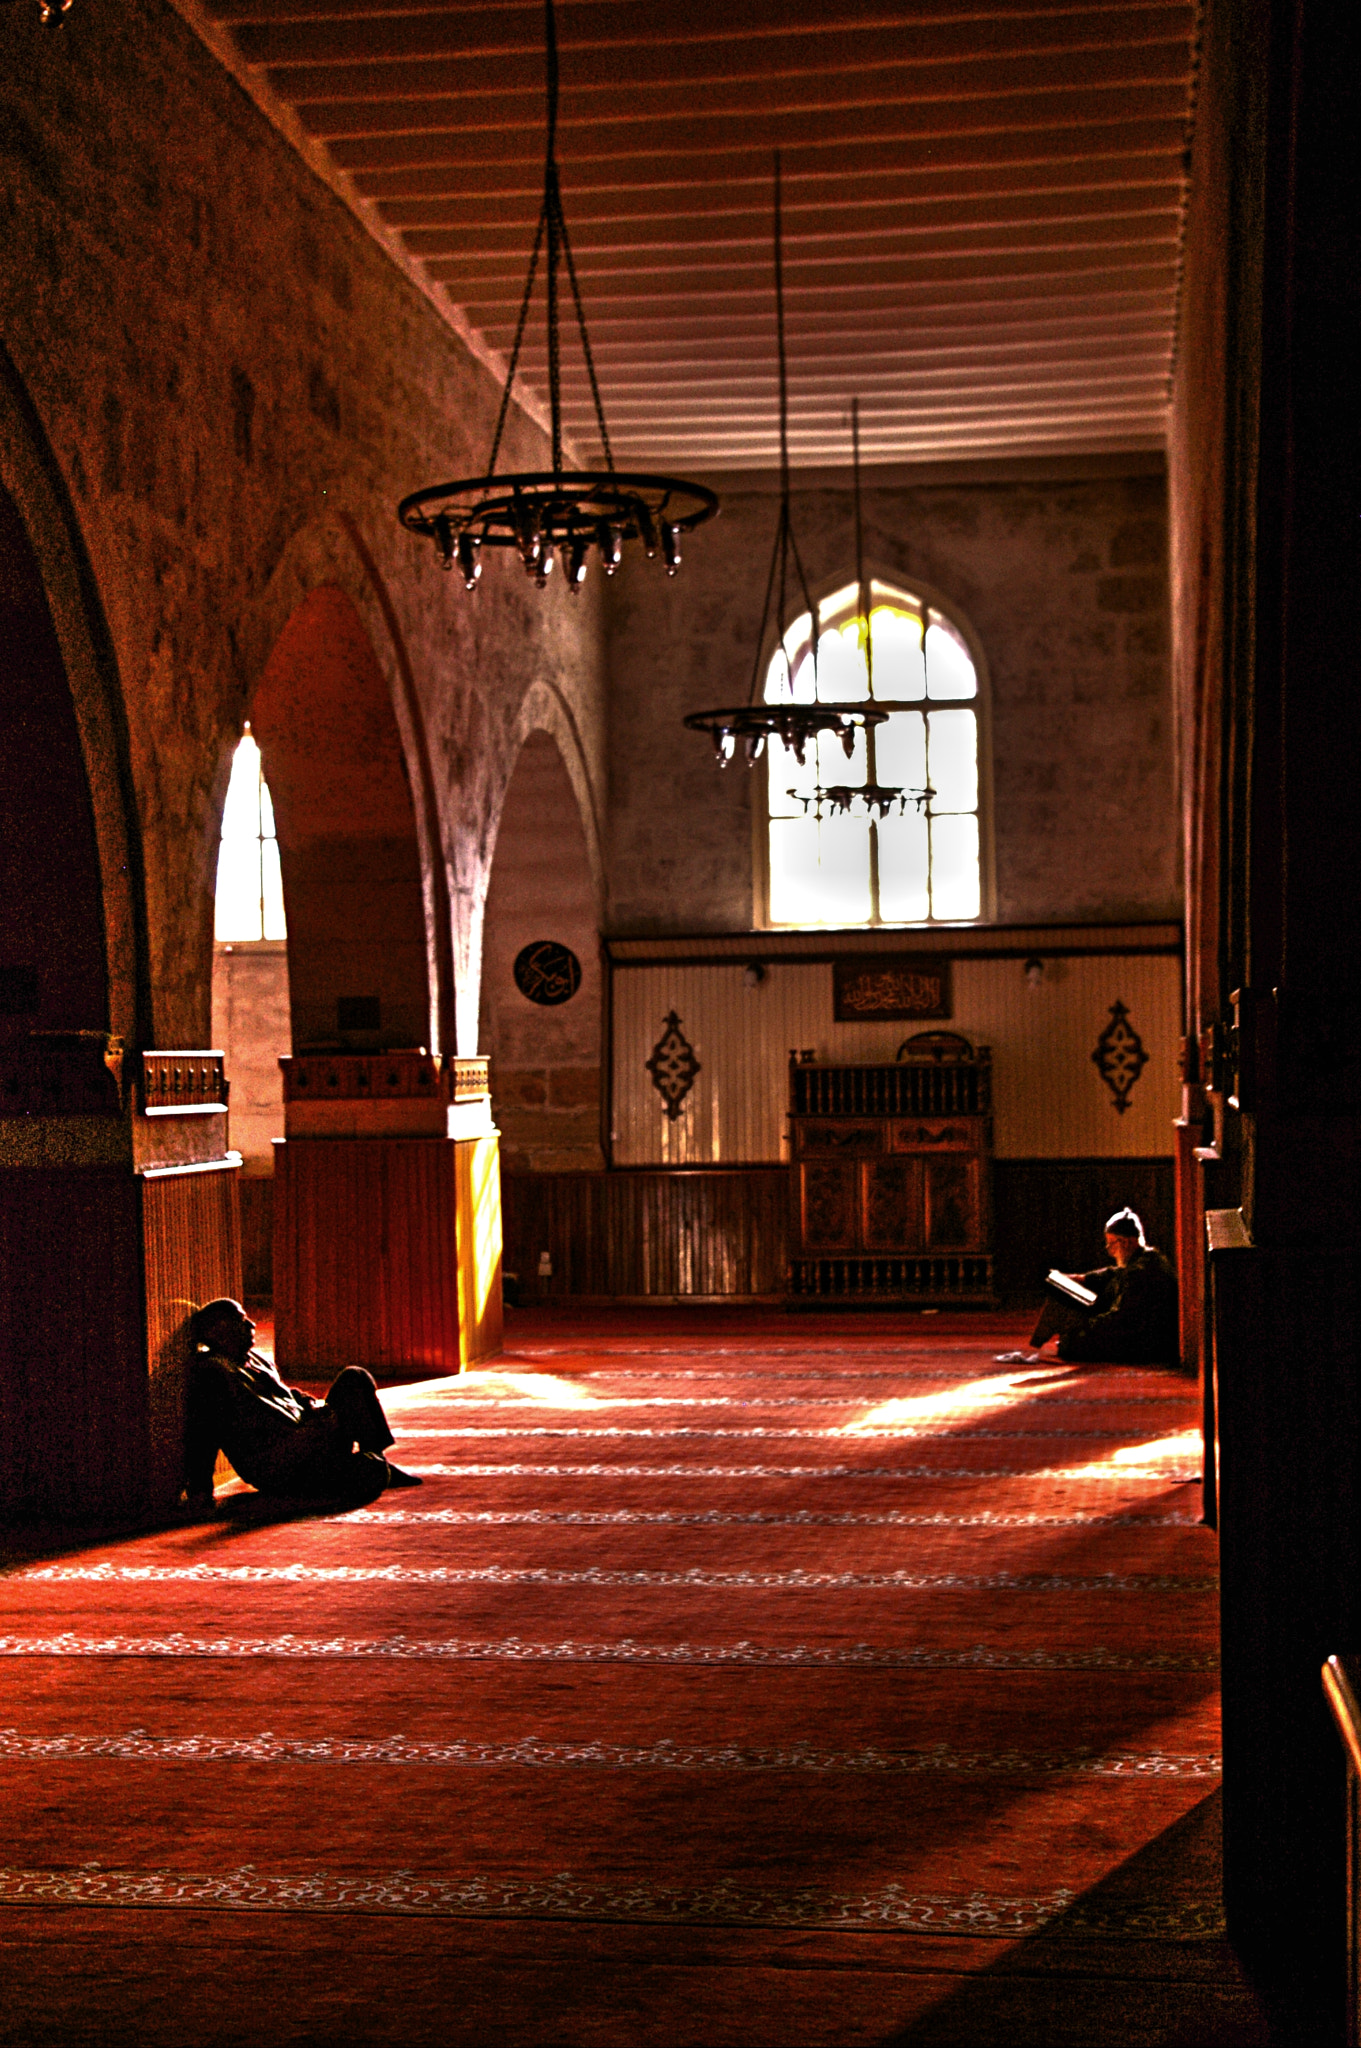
column 1049, row 1099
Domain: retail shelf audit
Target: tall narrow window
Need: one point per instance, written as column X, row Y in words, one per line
column 250, row 893
column 846, row 869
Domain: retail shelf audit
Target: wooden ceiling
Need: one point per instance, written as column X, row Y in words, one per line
column 983, row 204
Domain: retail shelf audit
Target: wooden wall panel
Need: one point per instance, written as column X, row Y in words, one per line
column 257, row 1235
column 725, row 1233
column 365, row 1255
column 73, row 1406
column 1049, row 1098
column 191, row 1236
column 1049, row 1212
column 649, row 1235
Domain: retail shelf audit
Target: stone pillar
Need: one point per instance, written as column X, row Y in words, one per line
column 387, row 1215
column 118, row 1217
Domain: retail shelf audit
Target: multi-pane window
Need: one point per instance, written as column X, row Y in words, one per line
column 250, row 893
column 850, row 868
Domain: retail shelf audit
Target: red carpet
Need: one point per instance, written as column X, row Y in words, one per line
column 734, row 1678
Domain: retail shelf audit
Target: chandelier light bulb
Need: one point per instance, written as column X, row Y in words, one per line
column 469, row 559
column 578, row 554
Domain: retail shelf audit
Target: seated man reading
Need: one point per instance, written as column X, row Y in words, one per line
column 1132, row 1321
column 279, row 1440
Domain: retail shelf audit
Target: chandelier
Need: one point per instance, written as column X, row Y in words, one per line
column 750, row 726
column 564, row 511
column 878, row 799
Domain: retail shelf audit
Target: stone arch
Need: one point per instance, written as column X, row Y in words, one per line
column 48, row 576
column 332, row 552
column 544, row 884
column 355, row 890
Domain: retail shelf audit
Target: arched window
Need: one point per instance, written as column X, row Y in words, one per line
column 846, row 869
column 250, row 893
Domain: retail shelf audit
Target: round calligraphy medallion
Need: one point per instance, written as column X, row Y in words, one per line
column 547, row 972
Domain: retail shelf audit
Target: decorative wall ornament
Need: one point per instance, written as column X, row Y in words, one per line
column 1119, row 1056
column 547, row 972
column 673, row 1065
column 891, row 987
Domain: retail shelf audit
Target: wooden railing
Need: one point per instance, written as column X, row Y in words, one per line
column 1341, row 1678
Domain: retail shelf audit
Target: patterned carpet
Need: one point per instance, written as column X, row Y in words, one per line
column 734, row 1678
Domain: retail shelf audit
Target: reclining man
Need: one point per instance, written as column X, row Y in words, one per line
column 1133, row 1320
column 279, row 1440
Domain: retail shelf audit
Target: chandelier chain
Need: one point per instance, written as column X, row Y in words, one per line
column 586, row 346
column 548, row 514
column 519, row 341
column 785, row 537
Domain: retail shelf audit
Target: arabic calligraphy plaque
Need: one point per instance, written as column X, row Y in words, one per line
column 547, row 973
column 890, row 988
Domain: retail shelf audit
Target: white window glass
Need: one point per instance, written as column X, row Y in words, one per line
column 848, row 869
column 835, row 766
column 904, row 882
column 897, row 651
column 952, row 760
column 954, row 867
column 841, row 665
column 250, row 896
column 949, row 671
column 819, row 872
column 900, row 750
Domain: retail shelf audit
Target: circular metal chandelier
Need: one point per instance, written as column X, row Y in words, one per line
column 567, row 512
column 878, row 799
column 746, row 728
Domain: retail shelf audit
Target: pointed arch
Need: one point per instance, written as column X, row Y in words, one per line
column 354, row 888
column 543, row 886
column 33, row 482
column 333, row 551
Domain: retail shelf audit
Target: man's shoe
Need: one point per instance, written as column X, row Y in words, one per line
column 396, row 1477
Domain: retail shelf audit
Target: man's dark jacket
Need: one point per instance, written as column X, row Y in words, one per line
column 1134, row 1320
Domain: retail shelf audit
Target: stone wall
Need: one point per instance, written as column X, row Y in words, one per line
column 1061, row 573
column 237, row 386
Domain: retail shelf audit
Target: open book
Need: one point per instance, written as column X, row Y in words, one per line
column 1064, row 1283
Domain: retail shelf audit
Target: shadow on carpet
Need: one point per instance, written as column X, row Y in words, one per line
column 1141, row 1958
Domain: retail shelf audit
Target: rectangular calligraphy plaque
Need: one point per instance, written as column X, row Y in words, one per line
column 890, row 988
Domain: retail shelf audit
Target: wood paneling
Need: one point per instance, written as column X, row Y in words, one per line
column 689, row 1234
column 1048, row 1098
column 191, row 1237
column 367, row 1253
column 1050, row 1212
column 982, row 212
column 649, row 1235
column 257, row 1236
